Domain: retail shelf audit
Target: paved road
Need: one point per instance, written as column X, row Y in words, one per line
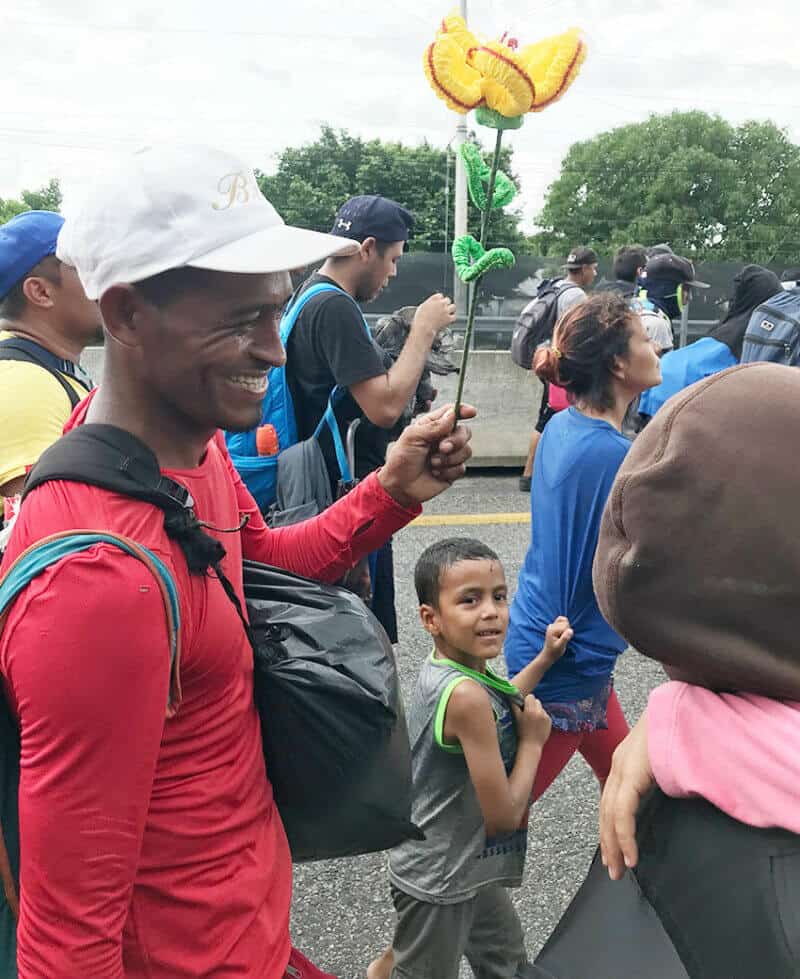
column 342, row 911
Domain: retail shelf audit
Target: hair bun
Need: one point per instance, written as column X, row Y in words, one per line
column 545, row 364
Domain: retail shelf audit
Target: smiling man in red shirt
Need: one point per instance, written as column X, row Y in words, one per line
column 152, row 847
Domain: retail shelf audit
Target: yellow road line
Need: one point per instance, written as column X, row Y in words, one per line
column 464, row 519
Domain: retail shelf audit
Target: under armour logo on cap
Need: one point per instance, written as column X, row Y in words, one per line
column 371, row 216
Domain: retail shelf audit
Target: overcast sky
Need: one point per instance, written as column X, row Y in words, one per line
column 84, row 79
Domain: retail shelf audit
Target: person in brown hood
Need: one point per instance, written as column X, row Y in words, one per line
column 698, row 567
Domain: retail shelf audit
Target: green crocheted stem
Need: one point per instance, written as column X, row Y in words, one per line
column 473, row 304
column 484, row 116
column 478, row 176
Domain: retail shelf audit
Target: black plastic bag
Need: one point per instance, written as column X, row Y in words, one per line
column 710, row 897
column 332, row 721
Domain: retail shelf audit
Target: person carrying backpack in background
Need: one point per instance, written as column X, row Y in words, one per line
column 330, row 347
column 46, row 321
column 773, row 333
column 535, row 326
column 150, row 842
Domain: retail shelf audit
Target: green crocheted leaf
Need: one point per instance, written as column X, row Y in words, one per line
column 472, row 261
column 478, row 174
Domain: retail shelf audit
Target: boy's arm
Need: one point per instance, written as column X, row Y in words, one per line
column 556, row 639
column 469, row 721
column 85, row 660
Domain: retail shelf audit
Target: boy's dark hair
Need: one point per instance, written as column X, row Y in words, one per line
column 12, row 305
column 627, row 262
column 437, row 558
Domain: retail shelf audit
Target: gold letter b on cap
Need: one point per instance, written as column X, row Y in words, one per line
column 233, row 186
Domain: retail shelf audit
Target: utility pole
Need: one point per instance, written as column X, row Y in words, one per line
column 684, row 334
column 460, row 218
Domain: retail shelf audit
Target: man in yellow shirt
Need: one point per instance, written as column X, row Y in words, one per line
column 46, row 321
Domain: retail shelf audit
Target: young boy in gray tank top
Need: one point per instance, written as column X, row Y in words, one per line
column 476, row 740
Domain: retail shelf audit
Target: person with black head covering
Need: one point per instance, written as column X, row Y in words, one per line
column 721, row 349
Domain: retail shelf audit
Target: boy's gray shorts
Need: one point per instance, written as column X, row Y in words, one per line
column 430, row 939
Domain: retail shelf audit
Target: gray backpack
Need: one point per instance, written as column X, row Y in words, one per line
column 537, row 321
column 773, row 333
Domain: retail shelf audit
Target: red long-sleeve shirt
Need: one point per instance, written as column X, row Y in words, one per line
column 152, row 847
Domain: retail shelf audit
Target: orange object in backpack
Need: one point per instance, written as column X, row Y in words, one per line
column 267, row 440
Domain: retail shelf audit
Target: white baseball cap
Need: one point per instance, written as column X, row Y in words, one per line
column 168, row 207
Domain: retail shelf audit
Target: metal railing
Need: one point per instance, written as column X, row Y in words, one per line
column 494, row 332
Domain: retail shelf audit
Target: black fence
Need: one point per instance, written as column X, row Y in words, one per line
column 503, row 294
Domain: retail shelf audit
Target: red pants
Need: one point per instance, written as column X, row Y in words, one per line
column 597, row 747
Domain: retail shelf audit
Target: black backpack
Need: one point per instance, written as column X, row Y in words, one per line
column 333, row 728
column 537, row 321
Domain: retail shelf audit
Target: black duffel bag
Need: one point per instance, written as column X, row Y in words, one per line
column 711, row 898
column 332, row 720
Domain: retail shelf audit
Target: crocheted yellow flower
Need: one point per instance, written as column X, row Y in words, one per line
column 469, row 74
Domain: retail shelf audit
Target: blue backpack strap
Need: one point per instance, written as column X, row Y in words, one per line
column 296, row 304
column 52, row 549
column 329, row 417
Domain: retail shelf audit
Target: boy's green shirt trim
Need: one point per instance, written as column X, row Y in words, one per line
column 488, row 679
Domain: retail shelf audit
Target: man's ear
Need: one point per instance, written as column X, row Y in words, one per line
column 39, row 292
column 368, row 248
column 125, row 311
column 430, row 619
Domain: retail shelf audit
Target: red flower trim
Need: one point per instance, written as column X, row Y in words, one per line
column 515, row 66
column 565, row 80
column 441, row 87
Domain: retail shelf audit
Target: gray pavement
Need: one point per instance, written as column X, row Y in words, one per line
column 342, row 912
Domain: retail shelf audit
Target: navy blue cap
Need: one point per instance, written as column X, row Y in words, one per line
column 370, row 216
column 24, row 241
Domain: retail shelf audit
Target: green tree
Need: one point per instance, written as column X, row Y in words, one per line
column 712, row 190
column 312, row 181
column 47, row 198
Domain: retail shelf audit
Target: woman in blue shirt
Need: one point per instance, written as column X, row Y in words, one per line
column 603, row 357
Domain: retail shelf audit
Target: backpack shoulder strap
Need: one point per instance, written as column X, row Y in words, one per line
column 328, row 419
column 298, row 302
column 12, row 350
column 50, row 550
column 112, row 459
column 26, row 351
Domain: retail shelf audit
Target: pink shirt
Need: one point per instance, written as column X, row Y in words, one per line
column 739, row 751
